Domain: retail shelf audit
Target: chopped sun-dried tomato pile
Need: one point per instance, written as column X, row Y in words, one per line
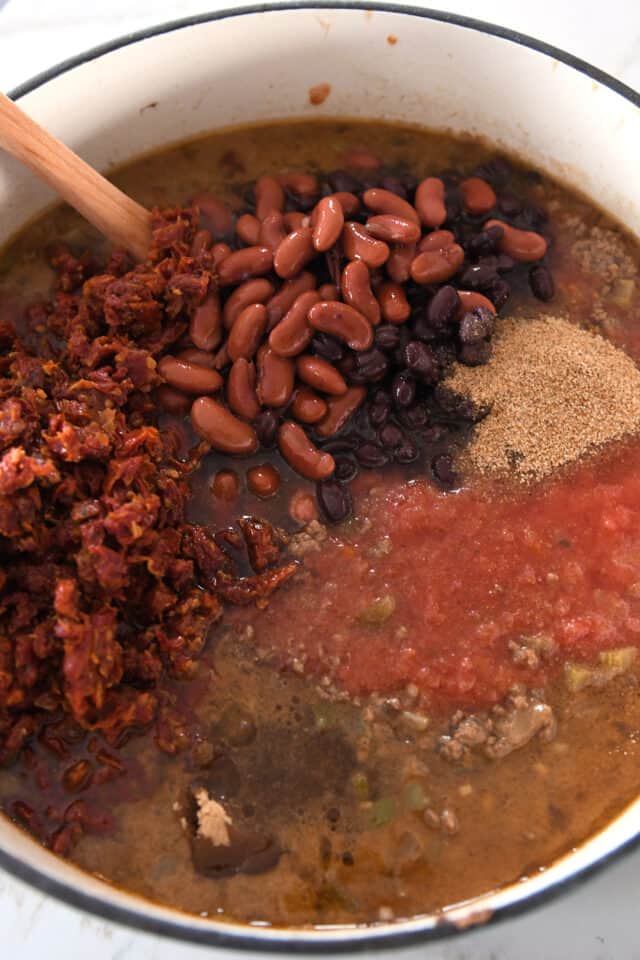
column 104, row 587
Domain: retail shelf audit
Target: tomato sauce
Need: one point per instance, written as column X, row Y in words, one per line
column 430, row 588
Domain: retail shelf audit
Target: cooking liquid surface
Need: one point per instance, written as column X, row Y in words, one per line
column 414, row 601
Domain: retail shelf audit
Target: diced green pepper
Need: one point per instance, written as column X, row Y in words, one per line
column 618, row 659
column 360, row 785
column 577, row 676
column 382, row 811
column 378, row 611
column 414, row 797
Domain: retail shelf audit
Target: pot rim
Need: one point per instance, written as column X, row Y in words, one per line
column 328, row 940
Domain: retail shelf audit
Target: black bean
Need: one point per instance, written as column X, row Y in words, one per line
column 509, row 205
column 266, row 426
column 407, row 452
column 434, row 434
column 484, row 243
column 347, row 365
column 445, row 354
column 475, row 354
column 541, row 283
column 531, row 218
column 394, row 185
column 443, row 470
column 391, row 436
column 421, row 360
column 403, row 390
column 341, row 181
column 370, row 366
column 386, row 337
column 414, row 418
column 300, row 204
column 453, row 203
column 334, row 500
column 370, row 180
column 497, row 171
column 378, row 414
column 443, row 307
column 346, row 469
column 327, row 347
column 371, row 456
column 381, row 396
column 477, row 324
column 479, row 276
column 498, row 292
column 421, row 329
column 505, row 263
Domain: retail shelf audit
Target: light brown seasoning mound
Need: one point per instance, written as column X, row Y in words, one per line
column 556, row 392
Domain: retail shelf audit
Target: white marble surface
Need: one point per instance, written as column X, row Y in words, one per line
column 598, row 920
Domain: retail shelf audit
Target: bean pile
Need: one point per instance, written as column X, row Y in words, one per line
column 336, row 306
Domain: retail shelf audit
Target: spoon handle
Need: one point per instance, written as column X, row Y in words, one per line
column 123, row 221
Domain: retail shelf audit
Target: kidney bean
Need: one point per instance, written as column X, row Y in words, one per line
column 245, row 263
column 327, row 221
column 398, row 265
column 201, row 357
column 443, row 307
column 307, row 406
column 269, row 197
column 329, row 291
column 263, row 480
column 393, row 303
column 201, row 243
column 436, row 240
column 541, row 283
column 275, row 378
column 361, row 159
column 226, row 485
column 421, row 361
column 296, row 220
column 485, row 243
column 303, row 507
column 221, row 429
column 189, row 377
column 241, row 389
column 266, row 426
column 469, row 299
column 293, row 253
column 346, row 469
column 429, row 202
column 523, row 245
column 370, row 366
column 334, row 500
column 341, row 181
column 272, row 231
column 371, row 456
column 293, row 334
column 173, row 401
column 205, row 326
column 219, row 252
column 403, row 390
column 356, row 290
column 248, row 229
column 393, row 229
column 302, row 184
column 282, row 301
column 249, row 292
column 436, row 266
column 478, row 196
column 216, row 213
column 386, row 337
column 317, row 373
column 348, row 201
column 342, row 321
column 339, row 410
column 301, row 454
column 327, row 347
column 358, row 244
column 247, row 331
column 222, row 358
column 382, row 201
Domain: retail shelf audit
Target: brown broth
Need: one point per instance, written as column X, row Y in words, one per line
column 352, row 854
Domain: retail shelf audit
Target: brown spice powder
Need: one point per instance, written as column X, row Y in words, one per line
column 556, row 392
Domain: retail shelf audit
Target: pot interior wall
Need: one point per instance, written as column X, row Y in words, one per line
column 156, row 92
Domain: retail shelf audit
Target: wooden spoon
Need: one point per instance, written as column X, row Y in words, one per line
column 123, row 221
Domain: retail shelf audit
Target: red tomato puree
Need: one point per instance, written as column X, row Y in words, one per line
column 455, row 577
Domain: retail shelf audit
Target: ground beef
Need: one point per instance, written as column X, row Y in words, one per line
column 104, row 588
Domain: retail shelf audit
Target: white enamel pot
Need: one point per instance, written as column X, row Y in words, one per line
column 152, row 89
